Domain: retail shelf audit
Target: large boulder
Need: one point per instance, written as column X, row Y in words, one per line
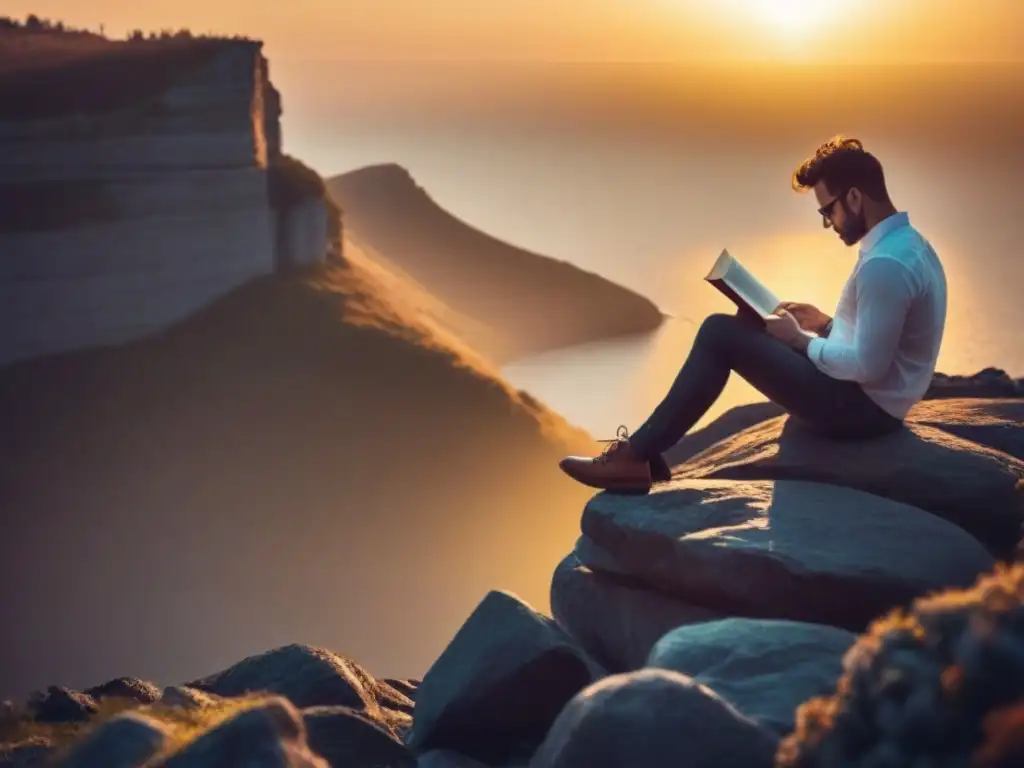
column 267, row 734
column 653, row 718
column 62, row 705
column 765, row 668
column 308, row 677
column 127, row 740
column 972, row 486
column 788, row 549
column 126, row 688
column 346, row 737
column 495, row 690
column 998, row 424
column 616, row 619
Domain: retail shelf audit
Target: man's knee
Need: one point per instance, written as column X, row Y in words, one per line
column 720, row 327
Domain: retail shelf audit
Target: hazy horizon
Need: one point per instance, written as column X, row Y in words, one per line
column 606, row 30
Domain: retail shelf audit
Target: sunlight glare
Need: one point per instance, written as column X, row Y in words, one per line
column 792, row 18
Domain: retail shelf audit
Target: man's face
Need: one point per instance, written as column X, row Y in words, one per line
column 842, row 212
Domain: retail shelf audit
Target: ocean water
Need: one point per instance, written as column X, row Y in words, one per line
column 650, row 204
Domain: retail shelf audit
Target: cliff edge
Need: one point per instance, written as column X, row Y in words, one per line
column 139, row 181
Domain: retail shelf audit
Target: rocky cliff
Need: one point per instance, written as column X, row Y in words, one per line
column 517, row 302
column 139, row 181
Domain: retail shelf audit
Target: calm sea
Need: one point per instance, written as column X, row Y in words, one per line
column 650, row 204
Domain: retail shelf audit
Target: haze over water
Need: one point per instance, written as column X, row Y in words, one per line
column 643, row 173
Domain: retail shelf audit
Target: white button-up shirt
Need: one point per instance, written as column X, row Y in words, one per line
column 890, row 319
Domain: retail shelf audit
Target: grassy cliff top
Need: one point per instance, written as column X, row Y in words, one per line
column 48, row 70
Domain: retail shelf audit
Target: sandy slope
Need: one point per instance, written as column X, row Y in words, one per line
column 525, row 301
column 310, row 460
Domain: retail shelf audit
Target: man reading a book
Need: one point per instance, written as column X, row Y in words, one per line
column 851, row 376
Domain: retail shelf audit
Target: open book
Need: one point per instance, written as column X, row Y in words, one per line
column 734, row 280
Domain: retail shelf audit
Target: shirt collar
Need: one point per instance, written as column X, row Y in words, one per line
column 883, row 228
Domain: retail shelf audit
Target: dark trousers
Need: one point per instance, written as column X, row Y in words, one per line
column 727, row 343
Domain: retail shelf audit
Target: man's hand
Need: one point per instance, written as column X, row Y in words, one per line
column 784, row 327
column 810, row 318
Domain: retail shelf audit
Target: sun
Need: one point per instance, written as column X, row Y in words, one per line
column 790, row 18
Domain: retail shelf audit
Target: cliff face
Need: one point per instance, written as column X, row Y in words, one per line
column 119, row 220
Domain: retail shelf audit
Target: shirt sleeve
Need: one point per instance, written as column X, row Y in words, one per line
column 885, row 290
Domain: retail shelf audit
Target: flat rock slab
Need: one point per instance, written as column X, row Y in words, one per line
column 765, row 668
column 995, row 423
column 616, row 622
column 787, row 549
column 971, row 485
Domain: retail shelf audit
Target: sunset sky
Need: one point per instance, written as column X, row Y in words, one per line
column 590, row 30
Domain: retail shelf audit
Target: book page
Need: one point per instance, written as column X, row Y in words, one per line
column 751, row 289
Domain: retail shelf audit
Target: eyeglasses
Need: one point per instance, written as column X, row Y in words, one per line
column 827, row 208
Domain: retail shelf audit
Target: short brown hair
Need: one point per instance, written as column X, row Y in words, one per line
column 842, row 163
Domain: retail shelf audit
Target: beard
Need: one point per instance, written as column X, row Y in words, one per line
column 854, row 229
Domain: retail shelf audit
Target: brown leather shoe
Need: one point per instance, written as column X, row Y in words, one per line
column 615, row 470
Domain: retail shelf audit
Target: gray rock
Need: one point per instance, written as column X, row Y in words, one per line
column 497, row 687
column 986, row 411
column 126, row 688
column 968, row 484
column 446, row 758
column 997, row 424
column 653, row 718
column 616, row 623
column 62, row 705
column 270, row 734
column 730, row 423
column 306, row 676
column 187, row 698
column 988, row 382
column 765, row 668
column 786, row 550
column 345, row 737
column 34, row 752
column 127, row 740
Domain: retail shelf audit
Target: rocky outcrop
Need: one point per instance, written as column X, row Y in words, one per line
column 267, row 720
column 310, row 677
column 801, row 551
column 988, row 382
column 527, row 302
column 500, row 683
column 966, row 483
column 987, row 410
column 118, row 220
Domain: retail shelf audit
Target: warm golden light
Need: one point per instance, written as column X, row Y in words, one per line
column 789, row 17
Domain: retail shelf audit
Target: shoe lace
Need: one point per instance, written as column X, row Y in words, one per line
column 621, row 437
